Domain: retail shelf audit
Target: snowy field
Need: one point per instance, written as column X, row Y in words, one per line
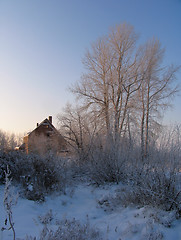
column 95, row 207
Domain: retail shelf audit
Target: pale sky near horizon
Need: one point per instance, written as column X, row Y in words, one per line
column 42, row 43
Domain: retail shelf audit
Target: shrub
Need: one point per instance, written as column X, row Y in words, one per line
column 16, row 162
column 69, row 229
column 156, row 187
column 112, row 162
column 38, row 175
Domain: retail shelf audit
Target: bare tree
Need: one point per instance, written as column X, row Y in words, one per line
column 123, row 81
column 8, row 141
column 111, row 78
column 156, row 90
column 3, row 141
column 79, row 128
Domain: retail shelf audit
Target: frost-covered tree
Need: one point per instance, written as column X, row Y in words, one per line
column 111, row 78
column 156, row 90
column 79, row 128
column 124, row 82
column 8, row 141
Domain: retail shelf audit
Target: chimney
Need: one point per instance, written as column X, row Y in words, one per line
column 37, row 125
column 50, row 119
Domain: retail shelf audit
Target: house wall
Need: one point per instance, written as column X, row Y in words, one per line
column 43, row 139
column 25, row 141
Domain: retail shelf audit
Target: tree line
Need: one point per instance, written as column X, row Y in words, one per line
column 8, row 141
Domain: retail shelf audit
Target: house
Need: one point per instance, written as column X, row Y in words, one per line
column 44, row 138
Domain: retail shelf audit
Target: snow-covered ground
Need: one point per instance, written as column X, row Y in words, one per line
column 88, row 203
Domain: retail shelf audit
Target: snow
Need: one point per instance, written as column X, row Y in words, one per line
column 83, row 203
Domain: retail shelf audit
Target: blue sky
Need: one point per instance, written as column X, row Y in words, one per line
column 42, row 43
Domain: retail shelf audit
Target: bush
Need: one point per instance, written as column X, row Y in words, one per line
column 156, row 187
column 48, row 174
column 16, row 162
column 38, row 175
column 112, row 162
column 69, row 229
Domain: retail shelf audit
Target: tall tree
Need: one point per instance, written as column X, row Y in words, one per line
column 122, row 79
column 156, row 88
column 111, row 77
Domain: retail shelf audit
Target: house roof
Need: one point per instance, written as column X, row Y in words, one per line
column 45, row 122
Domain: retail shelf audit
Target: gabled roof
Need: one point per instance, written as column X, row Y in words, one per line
column 45, row 122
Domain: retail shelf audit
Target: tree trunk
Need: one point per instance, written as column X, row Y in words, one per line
column 147, row 122
column 142, row 134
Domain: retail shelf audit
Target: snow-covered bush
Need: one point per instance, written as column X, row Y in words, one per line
column 47, row 174
column 36, row 174
column 16, row 163
column 154, row 186
column 154, row 181
column 151, row 233
column 112, row 161
column 69, row 229
column 157, row 180
column 105, row 166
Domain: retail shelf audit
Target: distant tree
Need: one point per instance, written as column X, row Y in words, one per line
column 3, row 141
column 8, row 141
